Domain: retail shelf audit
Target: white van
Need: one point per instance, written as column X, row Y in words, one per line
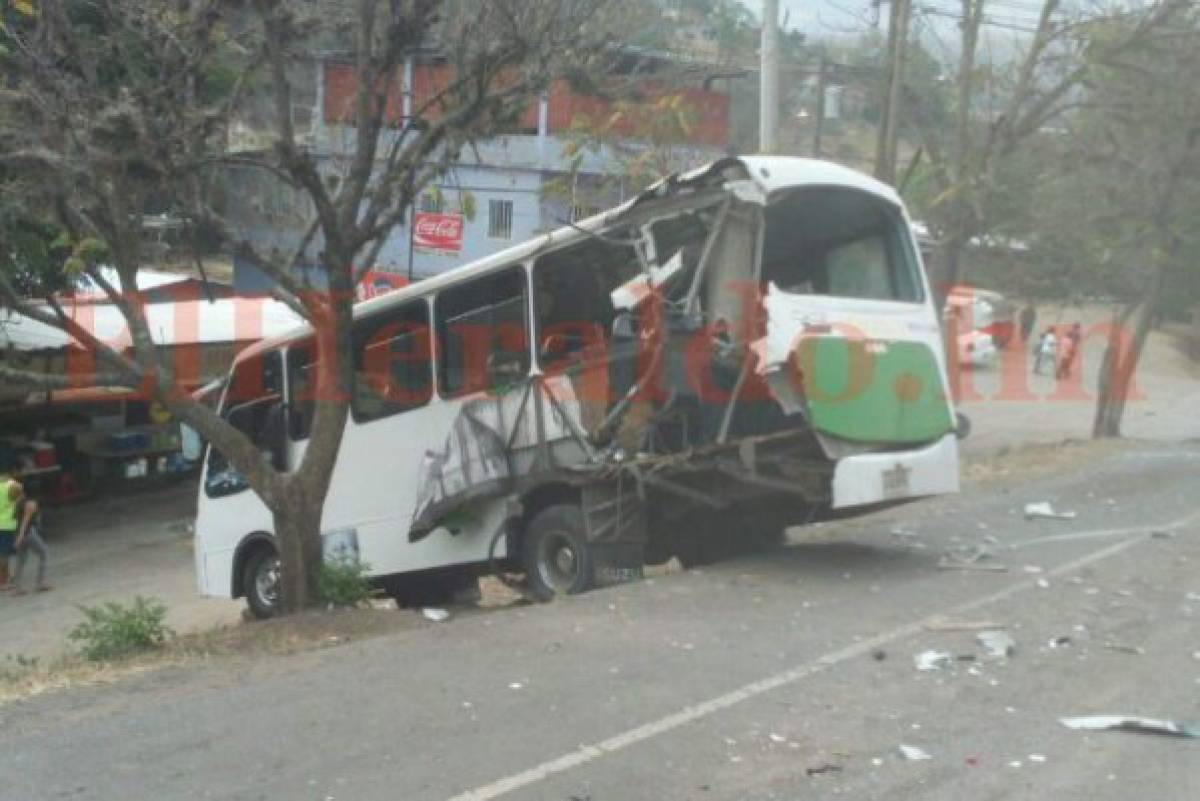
column 739, row 348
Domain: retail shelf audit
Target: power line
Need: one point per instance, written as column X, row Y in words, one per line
column 987, row 20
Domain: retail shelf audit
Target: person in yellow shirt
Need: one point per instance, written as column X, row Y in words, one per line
column 11, row 493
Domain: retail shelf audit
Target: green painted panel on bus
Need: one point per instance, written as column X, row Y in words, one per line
column 874, row 391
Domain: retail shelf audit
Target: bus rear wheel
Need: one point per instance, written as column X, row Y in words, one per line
column 555, row 553
column 261, row 581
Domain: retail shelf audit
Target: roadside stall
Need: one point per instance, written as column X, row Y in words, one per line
column 72, row 442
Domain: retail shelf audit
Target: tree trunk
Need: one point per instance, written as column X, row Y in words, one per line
column 949, row 266
column 298, row 532
column 1121, row 357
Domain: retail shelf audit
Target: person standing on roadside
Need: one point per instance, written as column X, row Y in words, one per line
column 1046, row 348
column 11, row 494
column 29, row 538
column 1027, row 320
column 1069, row 351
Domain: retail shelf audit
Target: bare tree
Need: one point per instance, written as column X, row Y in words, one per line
column 1145, row 140
column 1057, row 57
column 113, row 107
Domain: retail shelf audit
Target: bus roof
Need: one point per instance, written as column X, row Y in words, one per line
column 772, row 173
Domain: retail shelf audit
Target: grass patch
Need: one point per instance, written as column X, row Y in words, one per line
column 112, row 630
column 23, row 677
column 343, row 584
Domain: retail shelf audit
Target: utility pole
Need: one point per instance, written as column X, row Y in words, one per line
column 889, row 126
column 768, row 102
column 822, row 87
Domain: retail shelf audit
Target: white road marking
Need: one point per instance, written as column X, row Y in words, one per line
column 1105, row 533
column 588, row 753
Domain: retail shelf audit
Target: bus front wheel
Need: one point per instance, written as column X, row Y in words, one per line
column 555, row 553
column 261, row 581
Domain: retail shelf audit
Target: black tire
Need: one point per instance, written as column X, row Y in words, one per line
column 459, row 588
column 260, row 582
column 555, row 553
column 962, row 425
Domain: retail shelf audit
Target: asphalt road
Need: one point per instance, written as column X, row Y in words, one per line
column 734, row 682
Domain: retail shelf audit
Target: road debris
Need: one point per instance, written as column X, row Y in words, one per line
column 826, row 767
column 944, row 624
column 435, row 614
column 997, row 643
column 1060, row 642
column 933, row 660
column 1037, row 757
column 1132, row 724
column 952, row 563
column 1043, row 584
column 1134, row 650
column 910, row 753
column 1046, row 511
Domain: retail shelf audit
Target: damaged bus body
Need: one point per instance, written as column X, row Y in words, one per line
column 735, row 350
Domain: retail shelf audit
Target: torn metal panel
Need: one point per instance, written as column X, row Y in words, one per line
column 730, row 281
column 614, row 510
column 476, row 460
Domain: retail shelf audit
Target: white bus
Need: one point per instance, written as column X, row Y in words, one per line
column 737, row 349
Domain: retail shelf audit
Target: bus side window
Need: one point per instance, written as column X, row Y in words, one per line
column 253, row 405
column 573, row 307
column 302, row 383
column 393, row 362
column 482, row 330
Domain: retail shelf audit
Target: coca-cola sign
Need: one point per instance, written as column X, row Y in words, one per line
column 438, row 233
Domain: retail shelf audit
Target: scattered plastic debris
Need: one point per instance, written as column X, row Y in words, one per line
column 1132, row 724
column 1043, row 584
column 933, row 660
column 944, row 624
column 777, row 738
column 825, row 767
column 434, row 614
column 913, row 754
column 1044, row 510
column 1037, row 757
column 516, row 685
column 997, row 643
column 1016, row 763
column 954, row 563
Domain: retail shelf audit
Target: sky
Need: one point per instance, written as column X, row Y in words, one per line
column 825, row 17
column 934, row 20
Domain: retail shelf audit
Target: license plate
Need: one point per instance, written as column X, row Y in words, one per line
column 895, row 482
